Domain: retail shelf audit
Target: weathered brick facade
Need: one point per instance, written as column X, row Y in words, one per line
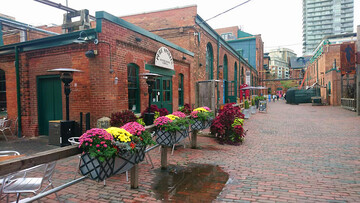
column 322, row 70
column 185, row 28
column 92, row 90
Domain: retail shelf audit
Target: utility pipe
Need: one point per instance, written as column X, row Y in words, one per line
column 18, row 89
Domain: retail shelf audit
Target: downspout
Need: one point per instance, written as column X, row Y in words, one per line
column 217, row 71
column 1, row 35
column 18, row 89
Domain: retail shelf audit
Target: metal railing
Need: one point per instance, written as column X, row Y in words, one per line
column 348, row 103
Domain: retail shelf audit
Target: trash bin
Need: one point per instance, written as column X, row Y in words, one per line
column 61, row 131
column 262, row 106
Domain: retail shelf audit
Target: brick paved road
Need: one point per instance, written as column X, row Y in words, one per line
column 294, row 153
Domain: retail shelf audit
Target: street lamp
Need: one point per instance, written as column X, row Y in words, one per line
column 150, row 80
column 66, row 76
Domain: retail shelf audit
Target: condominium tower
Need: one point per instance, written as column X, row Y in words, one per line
column 325, row 17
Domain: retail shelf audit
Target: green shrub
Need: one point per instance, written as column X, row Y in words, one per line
column 247, row 104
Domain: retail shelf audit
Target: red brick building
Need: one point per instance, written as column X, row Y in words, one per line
column 123, row 52
column 324, row 67
column 213, row 57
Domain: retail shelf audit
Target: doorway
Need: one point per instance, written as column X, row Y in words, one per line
column 162, row 93
column 49, row 101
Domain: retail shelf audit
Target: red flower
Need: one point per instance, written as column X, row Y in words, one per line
column 132, row 145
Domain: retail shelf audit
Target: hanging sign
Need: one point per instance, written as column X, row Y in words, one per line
column 247, row 78
column 164, row 59
column 347, row 58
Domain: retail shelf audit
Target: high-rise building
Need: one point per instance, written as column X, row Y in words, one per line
column 280, row 62
column 325, row 17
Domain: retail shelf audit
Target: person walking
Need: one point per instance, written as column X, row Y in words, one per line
column 274, row 97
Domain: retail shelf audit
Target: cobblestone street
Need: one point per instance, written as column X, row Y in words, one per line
column 292, row 153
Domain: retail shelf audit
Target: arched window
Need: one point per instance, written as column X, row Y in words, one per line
column 242, row 75
column 2, row 91
column 133, row 87
column 209, row 61
column 225, row 68
column 181, row 89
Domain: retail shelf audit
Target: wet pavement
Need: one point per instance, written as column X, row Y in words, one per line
column 292, row 153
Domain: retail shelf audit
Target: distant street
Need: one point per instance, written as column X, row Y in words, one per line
column 292, row 153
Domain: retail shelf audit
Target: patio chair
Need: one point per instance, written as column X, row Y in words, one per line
column 3, row 179
column 5, row 124
column 26, row 184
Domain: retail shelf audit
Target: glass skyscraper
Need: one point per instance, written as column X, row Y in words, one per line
column 325, row 17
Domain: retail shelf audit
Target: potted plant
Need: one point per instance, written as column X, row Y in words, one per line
column 227, row 126
column 131, row 141
column 186, row 109
column 171, row 129
column 120, row 118
column 246, row 111
column 202, row 118
column 252, row 107
column 98, row 155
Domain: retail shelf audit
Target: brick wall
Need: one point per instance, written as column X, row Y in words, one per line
column 178, row 26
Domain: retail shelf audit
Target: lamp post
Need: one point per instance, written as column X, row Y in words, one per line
column 66, row 76
column 150, row 80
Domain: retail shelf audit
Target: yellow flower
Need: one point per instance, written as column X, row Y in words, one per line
column 119, row 134
column 200, row 109
column 172, row 117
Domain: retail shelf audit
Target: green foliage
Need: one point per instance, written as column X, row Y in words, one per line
column 156, row 115
column 141, row 121
column 237, row 121
column 176, row 125
column 252, row 102
column 246, row 104
column 289, row 84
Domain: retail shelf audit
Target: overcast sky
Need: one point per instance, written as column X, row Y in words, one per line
column 278, row 21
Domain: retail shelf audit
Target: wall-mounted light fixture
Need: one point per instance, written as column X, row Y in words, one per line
column 116, row 80
column 200, row 64
column 138, row 39
column 84, row 38
column 91, row 53
column 183, row 58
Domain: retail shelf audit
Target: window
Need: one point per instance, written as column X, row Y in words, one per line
column 225, row 67
column 329, row 86
column 2, row 91
column 133, row 88
column 209, row 61
column 227, row 36
column 181, row 89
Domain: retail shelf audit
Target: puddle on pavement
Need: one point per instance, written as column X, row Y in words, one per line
column 191, row 183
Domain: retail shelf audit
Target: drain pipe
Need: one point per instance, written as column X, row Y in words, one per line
column 217, row 71
column 18, row 89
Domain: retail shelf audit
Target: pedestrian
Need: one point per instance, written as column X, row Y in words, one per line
column 274, row 97
column 269, row 97
column 277, row 97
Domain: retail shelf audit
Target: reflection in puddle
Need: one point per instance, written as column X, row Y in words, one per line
column 191, row 183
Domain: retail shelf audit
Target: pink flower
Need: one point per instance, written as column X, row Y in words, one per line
column 97, row 145
column 103, row 142
column 179, row 114
column 98, row 150
column 162, row 120
column 134, row 128
column 105, row 145
column 90, row 145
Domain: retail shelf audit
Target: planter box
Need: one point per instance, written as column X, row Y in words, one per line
column 201, row 125
column 246, row 113
column 253, row 109
column 127, row 160
column 170, row 138
column 95, row 169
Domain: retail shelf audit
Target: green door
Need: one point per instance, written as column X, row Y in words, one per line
column 162, row 93
column 49, row 101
